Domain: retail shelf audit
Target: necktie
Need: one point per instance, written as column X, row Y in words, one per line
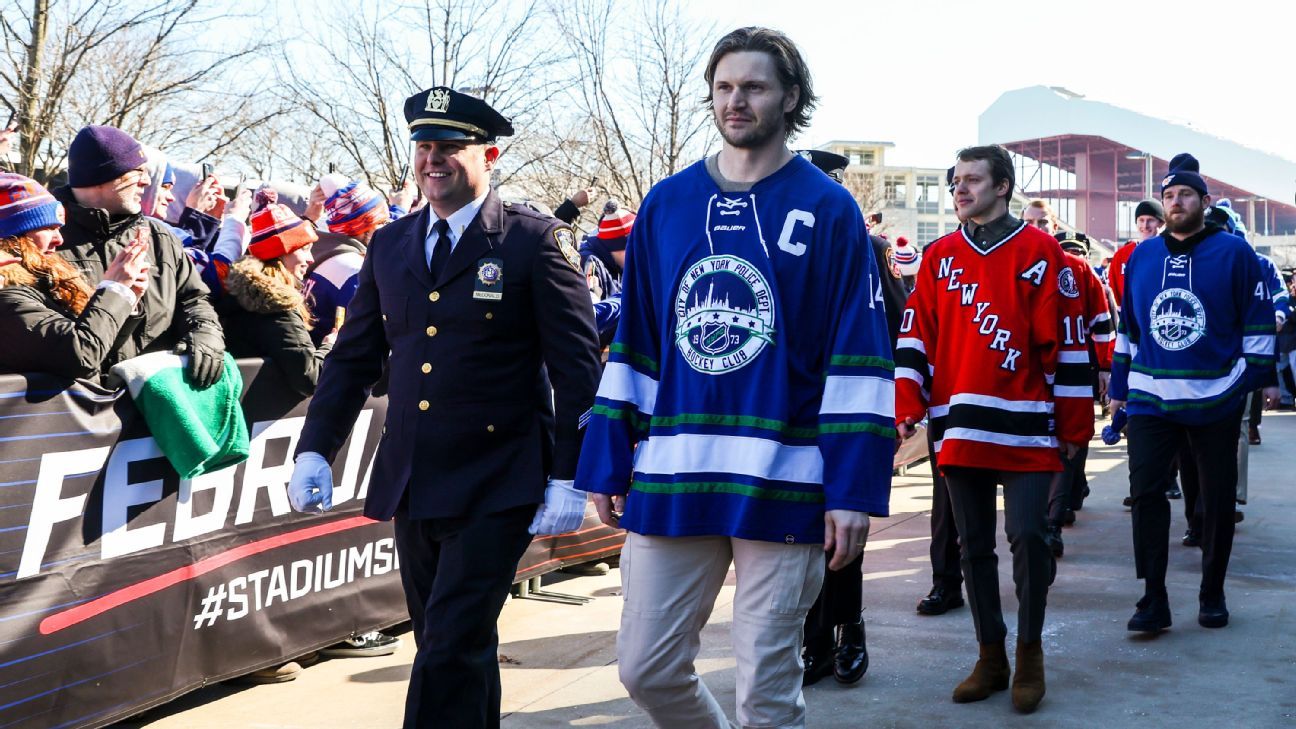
column 440, row 250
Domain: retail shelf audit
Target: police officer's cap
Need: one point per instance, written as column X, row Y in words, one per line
column 1073, row 242
column 831, row 163
column 443, row 114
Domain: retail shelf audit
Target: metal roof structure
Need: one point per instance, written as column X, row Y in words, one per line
column 1098, row 160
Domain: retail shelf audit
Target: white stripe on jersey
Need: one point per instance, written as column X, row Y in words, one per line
column 990, row 401
column 1259, row 344
column 911, row 343
column 845, row 395
column 623, row 383
column 743, row 455
column 1003, row 439
column 1070, row 356
column 1125, row 346
column 1085, row 391
column 1185, row 389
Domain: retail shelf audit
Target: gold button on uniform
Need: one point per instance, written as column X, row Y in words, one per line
column 490, row 429
column 431, row 331
column 424, row 405
column 434, row 296
column 490, row 315
column 427, row 367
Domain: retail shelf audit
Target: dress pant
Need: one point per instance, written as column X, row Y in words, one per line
column 457, row 574
column 972, row 493
column 1067, row 492
column 670, row 586
column 1212, row 449
column 944, row 533
column 840, row 602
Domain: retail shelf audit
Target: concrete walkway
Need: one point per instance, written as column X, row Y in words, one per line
column 559, row 661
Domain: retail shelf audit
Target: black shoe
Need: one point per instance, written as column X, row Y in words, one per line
column 1192, row 538
column 1213, row 613
column 851, row 659
column 1054, row 540
column 1238, row 516
column 940, row 600
column 1174, row 493
column 818, row 665
column 1068, row 517
column 1128, row 502
column 1152, row 616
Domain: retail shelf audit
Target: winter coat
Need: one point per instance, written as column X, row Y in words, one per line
column 40, row 335
column 175, row 305
column 261, row 320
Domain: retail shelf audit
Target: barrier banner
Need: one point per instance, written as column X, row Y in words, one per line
column 122, row 586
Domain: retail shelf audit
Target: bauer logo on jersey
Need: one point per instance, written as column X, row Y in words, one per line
column 724, row 314
column 1178, row 319
column 1067, row 283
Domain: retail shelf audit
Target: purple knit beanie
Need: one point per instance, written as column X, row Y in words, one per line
column 100, row 154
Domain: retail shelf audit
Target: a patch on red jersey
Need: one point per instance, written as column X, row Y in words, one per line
column 1067, row 283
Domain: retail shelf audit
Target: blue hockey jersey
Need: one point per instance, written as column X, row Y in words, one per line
column 1196, row 331
column 750, row 383
column 1277, row 291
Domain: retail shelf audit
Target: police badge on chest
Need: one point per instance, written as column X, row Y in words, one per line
column 489, row 285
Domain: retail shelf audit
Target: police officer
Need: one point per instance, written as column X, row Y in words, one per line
column 476, row 299
column 834, row 629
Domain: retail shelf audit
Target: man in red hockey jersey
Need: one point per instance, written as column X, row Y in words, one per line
column 981, row 352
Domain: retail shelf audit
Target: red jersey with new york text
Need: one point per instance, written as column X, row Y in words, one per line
column 980, row 345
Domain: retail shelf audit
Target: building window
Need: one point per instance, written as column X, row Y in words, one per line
column 928, row 194
column 927, row 232
column 862, row 157
column 896, row 191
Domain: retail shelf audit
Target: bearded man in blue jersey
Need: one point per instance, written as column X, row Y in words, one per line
column 1196, row 335
column 746, row 413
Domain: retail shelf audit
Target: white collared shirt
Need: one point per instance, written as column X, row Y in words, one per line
column 458, row 221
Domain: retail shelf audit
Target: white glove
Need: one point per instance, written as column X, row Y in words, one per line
column 563, row 509
column 310, row 489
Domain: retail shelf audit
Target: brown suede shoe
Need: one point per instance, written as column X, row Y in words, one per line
column 990, row 674
column 1028, row 681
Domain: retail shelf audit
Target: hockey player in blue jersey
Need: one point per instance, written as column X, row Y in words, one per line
column 1196, row 334
column 746, row 412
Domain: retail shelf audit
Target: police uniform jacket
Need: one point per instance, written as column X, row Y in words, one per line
column 467, row 426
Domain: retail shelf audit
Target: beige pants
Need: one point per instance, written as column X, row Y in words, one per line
column 670, row 585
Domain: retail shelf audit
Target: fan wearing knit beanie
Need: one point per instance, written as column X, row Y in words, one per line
column 354, row 211
column 265, row 310
column 107, row 176
column 608, row 244
column 51, row 319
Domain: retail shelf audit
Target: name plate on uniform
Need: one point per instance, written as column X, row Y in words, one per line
column 489, row 285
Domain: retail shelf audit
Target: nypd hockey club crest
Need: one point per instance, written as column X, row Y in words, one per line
column 724, row 314
column 1067, row 283
column 1178, row 319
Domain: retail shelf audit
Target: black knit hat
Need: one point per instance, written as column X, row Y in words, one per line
column 1185, row 170
column 1150, row 207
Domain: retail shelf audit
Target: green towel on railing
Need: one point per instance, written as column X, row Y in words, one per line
column 199, row 431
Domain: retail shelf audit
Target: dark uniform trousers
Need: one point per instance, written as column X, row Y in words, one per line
column 456, row 574
column 1068, row 491
column 472, row 428
column 1153, row 443
column 972, row 494
column 840, row 602
column 944, row 549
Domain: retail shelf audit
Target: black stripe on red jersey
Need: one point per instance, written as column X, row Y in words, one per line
column 996, row 420
column 913, row 359
column 1073, row 374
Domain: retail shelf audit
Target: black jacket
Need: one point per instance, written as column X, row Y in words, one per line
column 466, row 429
column 176, row 302
column 261, row 320
column 39, row 335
